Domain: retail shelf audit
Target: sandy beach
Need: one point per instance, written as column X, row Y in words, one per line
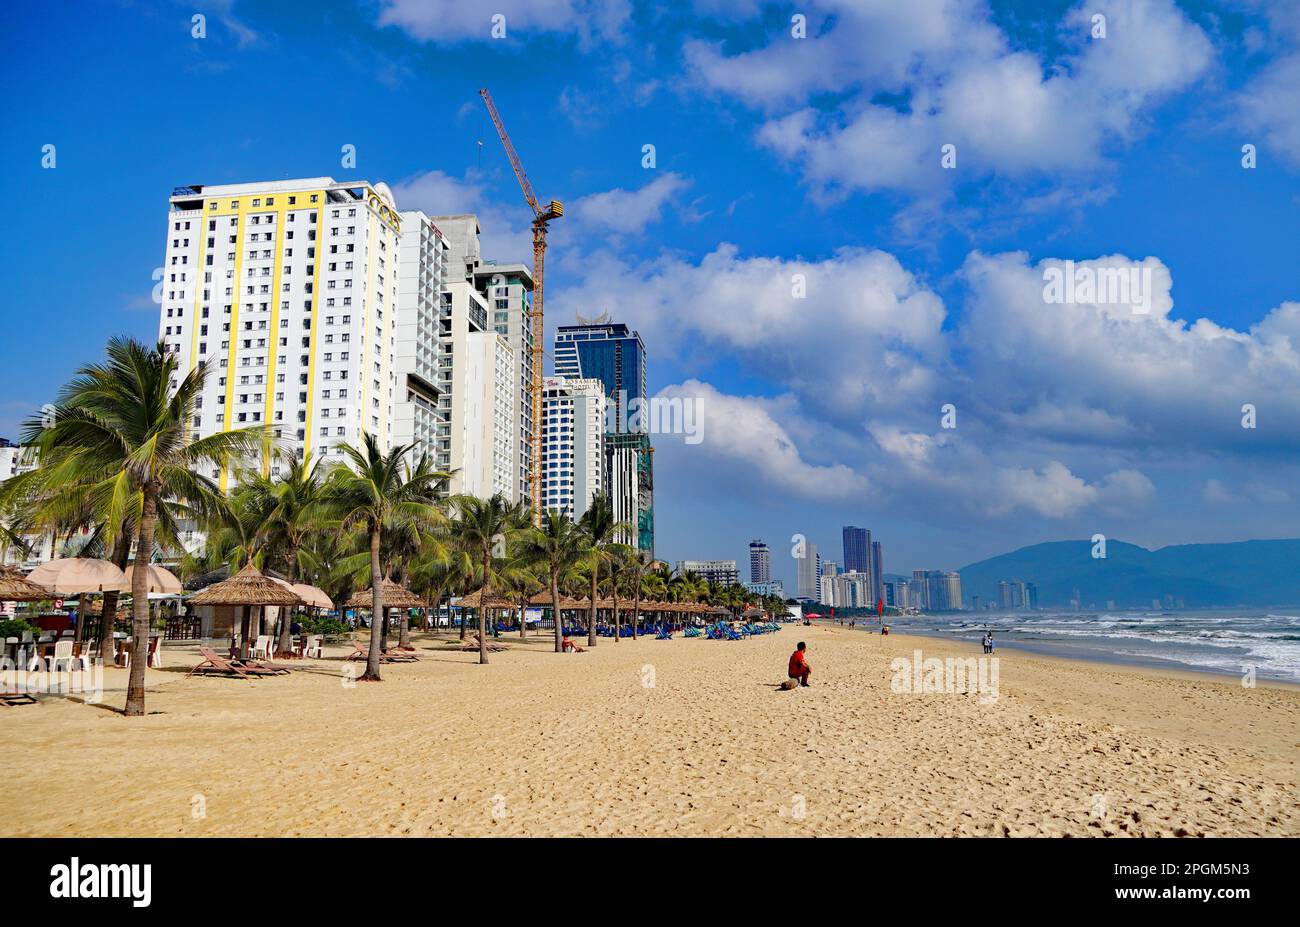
column 681, row 737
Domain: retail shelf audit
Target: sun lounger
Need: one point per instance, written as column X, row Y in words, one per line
column 214, row 664
column 14, row 699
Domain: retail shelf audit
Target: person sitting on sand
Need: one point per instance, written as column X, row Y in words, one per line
column 569, row 646
column 799, row 668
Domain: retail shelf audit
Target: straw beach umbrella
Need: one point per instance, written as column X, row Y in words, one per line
column 394, row 596
column 14, row 587
column 246, row 588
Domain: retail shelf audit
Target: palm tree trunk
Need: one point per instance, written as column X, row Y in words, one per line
column 482, row 608
column 636, row 612
column 555, row 610
column 376, row 608
column 523, row 624
column 284, row 645
column 614, row 592
column 108, row 608
column 140, row 603
column 591, row 617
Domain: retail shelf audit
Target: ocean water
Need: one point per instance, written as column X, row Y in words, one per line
column 1221, row 641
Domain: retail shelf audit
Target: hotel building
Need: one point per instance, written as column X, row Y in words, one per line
column 720, row 572
column 287, row 293
column 573, row 444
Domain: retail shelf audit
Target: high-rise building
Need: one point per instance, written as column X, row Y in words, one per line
column 573, row 444
column 422, row 277
column 877, row 571
column 502, row 304
column 809, row 572
column 936, row 590
column 721, row 572
column 321, row 311
column 760, row 562
column 287, row 292
column 857, row 550
column 609, row 352
column 613, row 354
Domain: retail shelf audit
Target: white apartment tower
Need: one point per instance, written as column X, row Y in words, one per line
column 423, row 255
column 573, row 444
column 287, row 293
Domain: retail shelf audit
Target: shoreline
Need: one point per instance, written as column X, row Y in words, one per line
column 687, row 737
column 1100, row 658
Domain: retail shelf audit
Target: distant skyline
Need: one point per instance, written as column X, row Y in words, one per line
column 798, row 260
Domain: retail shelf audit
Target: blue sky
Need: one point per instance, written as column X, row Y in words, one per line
column 775, row 156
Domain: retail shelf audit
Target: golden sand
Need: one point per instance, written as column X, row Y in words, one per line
column 542, row 744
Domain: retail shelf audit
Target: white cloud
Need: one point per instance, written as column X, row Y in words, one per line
column 629, row 211
column 949, row 76
column 741, row 433
column 505, row 232
column 455, row 20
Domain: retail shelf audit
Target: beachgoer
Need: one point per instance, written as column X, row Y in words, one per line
column 799, row 668
column 991, row 646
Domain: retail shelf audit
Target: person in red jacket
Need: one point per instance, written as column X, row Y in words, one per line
column 799, row 668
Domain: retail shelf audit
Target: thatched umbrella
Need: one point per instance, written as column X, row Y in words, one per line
column 14, row 587
column 485, row 597
column 246, row 588
column 395, row 596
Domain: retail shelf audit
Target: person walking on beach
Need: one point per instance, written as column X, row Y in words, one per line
column 985, row 641
column 990, row 647
column 799, row 668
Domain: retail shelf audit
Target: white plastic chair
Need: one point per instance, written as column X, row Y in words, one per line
column 315, row 647
column 262, row 649
column 155, row 652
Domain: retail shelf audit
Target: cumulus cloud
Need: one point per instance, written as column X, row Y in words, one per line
column 916, row 78
column 629, row 211
column 1063, row 409
column 505, row 230
column 740, row 432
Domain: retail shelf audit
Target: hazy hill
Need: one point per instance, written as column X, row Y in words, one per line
column 1242, row 573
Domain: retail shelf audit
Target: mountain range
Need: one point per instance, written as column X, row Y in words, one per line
column 1200, row 575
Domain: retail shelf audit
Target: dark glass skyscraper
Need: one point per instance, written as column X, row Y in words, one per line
column 857, row 550
column 608, row 352
column 613, row 354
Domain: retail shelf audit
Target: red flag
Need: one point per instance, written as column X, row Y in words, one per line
column 880, row 606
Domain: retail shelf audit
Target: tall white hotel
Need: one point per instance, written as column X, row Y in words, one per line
column 321, row 310
column 573, row 444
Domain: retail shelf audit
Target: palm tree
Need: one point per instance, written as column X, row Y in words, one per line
column 486, row 527
column 122, row 429
column 376, row 490
column 559, row 545
column 295, row 506
column 602, row 529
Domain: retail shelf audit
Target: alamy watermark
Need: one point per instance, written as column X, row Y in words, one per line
column 1091, row 285
column 658, row 415
column 949, row 676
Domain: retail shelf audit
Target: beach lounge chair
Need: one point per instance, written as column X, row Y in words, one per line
column 665, row 634
column 471, row 643
column 214, row 664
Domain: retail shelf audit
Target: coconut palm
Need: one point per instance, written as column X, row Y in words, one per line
column 486, row 527
column 295, row 506
column 375, row 490
column 122, row 430
column 558, row 546
column 602, row 530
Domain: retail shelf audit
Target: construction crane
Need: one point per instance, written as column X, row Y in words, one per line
column 541, row 217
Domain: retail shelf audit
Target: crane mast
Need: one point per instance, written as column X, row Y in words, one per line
column 541, row 217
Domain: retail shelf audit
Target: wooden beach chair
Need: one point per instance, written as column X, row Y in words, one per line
column 214, row 664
